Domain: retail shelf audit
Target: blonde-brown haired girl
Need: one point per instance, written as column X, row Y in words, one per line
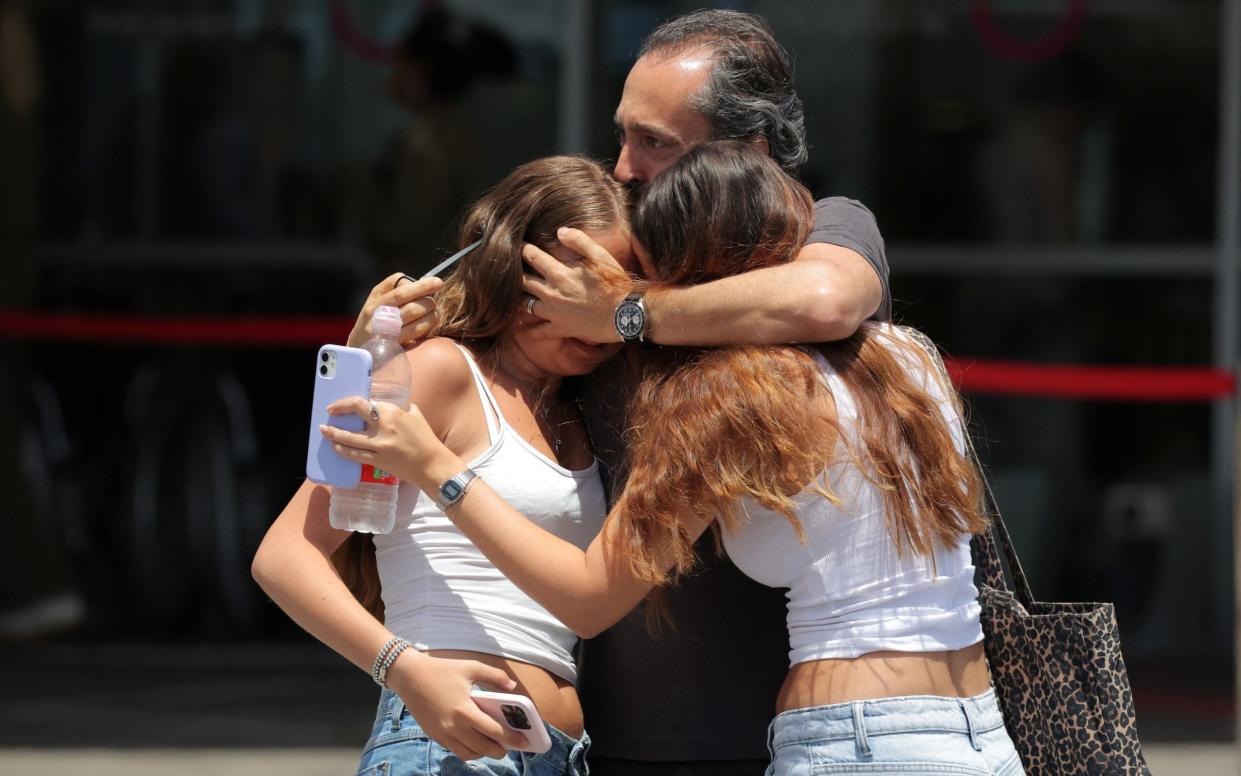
column 421, row 608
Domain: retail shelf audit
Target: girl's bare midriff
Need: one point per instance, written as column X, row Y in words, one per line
column 957, row 674
column 555, row 698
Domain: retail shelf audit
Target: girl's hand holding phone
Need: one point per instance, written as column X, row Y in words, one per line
column 437, row 692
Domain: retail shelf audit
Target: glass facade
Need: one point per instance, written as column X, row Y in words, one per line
column 290, row 123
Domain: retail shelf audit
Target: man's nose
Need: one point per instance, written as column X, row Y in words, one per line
column 625, row 172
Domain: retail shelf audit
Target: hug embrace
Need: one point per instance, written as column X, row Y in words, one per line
column 689, row 435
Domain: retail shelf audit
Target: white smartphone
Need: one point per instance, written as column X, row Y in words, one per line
column 515, row 712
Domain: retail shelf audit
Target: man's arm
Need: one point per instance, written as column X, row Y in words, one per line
column 824, row 295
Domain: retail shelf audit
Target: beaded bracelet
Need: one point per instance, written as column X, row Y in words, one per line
column 381, row 678
column 379, row 659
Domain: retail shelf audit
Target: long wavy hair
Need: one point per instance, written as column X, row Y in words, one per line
column 713, row 426
column 483, row 295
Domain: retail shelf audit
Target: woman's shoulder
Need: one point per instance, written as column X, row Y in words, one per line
column 439, row 367
column 914, row 352
column 904, row 340
column 441, row 384
column 919, row 355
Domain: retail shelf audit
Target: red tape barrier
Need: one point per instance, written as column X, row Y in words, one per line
column 174, row 330
column 1106, row 383
column 1055, row 381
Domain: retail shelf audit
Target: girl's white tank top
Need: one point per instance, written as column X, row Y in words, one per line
column 440, row 591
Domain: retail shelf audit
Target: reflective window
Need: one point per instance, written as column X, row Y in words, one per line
column 1050, row 121
column 303, row 121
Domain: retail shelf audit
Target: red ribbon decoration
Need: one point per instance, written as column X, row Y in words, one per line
column 353, row 40
column 1048, row 47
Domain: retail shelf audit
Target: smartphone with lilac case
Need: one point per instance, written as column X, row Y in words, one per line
column 340, row 372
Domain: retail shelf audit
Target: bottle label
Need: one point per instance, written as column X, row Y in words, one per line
column 378, row 476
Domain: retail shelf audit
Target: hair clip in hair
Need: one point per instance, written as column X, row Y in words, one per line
column 453, row 259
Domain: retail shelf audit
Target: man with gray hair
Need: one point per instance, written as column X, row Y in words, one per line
column 703, row 76
column 748, row 91
column 699, row 698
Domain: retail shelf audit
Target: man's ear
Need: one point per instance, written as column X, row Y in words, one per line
column 760, row 141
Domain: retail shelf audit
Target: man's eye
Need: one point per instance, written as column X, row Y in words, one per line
column 652, row 143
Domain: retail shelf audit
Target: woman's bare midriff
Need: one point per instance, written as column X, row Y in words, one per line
column 554, row 697
column 957, row 674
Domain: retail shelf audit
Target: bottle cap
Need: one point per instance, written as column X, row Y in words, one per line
column 387, row 321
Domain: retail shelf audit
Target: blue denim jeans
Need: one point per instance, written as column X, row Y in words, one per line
column 913, row 735
column 398, row 746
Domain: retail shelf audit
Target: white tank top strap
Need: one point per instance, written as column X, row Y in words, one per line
column 491, row 410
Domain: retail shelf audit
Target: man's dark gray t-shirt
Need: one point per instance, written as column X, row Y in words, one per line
column 848, row 223
column 707, row 689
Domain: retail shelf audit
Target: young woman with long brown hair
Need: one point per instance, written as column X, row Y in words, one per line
column 489, row 387
column 837, row 471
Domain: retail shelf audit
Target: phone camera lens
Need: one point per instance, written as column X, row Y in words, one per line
column 324, row 356
column 323, row 371
column 516, row 717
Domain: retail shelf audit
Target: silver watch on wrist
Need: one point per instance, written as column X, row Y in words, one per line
column 454, row 489
column 630, row 318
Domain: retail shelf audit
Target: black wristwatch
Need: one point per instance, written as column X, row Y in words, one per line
column 630, row 318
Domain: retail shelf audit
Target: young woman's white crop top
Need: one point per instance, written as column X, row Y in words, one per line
column 441, row 591
column 849, row 592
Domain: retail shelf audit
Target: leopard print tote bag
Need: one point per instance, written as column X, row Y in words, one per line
column 1057, row 671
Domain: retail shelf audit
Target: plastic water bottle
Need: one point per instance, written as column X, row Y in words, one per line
column 371, row 506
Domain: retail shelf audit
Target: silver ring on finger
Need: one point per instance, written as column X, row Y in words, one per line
column 530, row 300
column 374, row 411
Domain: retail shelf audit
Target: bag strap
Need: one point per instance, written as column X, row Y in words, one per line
column 982, row 546
column 987, row 561
column 986, row 557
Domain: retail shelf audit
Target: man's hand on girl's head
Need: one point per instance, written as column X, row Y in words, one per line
column 578, row 292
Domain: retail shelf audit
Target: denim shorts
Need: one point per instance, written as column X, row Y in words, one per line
column 914, row 735
column 398, row 746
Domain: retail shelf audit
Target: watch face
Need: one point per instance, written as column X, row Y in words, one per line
column 451, row 490
column 630, row 320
